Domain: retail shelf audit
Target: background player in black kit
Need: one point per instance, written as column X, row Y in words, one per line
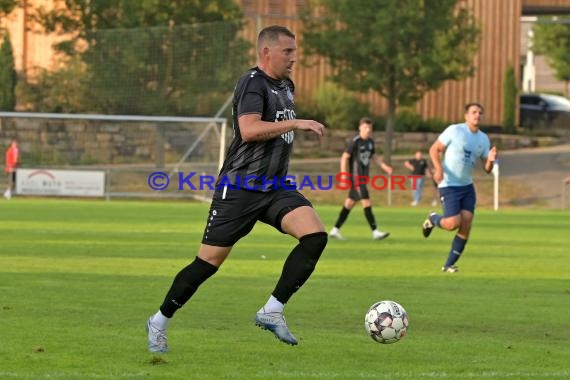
column 356, row 160
column 264, row 124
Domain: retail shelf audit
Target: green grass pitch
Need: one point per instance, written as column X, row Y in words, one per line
column 78, row 279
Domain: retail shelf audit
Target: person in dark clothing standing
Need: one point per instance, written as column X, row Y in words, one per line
column 418, row 166
column 249, row 190
column 356, row 161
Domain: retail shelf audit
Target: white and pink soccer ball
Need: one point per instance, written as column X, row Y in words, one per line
column 386, row 322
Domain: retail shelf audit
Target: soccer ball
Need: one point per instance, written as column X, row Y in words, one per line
column 386, row 322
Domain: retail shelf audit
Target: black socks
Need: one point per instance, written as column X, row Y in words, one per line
column 185, row 285
column 299, row 265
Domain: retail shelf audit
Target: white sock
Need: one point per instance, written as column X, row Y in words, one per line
column 272, row 306
column 160, row 321
column 335, row 230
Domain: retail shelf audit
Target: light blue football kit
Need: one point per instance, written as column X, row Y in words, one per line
column 463, row 149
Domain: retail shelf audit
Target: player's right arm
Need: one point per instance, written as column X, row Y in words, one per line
column 344, row 162
column 252, row 128
column 250, row 100
column 435, row 153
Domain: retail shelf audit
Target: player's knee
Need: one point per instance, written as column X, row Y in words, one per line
column 450, row 224
column 314, row 244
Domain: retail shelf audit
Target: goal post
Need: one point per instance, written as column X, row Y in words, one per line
column 129, row 148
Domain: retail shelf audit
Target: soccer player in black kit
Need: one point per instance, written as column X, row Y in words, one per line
column 356, row 161
column 250, row 188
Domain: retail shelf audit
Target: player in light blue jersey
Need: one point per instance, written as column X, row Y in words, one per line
column 461, row 145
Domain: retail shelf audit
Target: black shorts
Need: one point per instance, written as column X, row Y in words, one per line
column 361, row 192
column 234, row 212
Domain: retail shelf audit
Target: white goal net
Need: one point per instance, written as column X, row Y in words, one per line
column 129, row 149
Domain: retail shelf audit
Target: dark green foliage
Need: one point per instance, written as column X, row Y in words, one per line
column 6, row 6
column 151, row 57
column 408, row 120
column 8, row 76
column 341, row 108
column 65, row 91
column 510, row 100
column 552, row 40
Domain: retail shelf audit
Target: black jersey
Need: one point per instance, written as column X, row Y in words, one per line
column 420, row 166
column 253, row 164
column 361, row 152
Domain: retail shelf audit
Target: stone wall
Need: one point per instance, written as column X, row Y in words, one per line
column 86, row 142
column 333, row 143
column 57, row 142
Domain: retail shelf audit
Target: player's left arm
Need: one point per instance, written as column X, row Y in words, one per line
column 488, row 162
column 387, row 168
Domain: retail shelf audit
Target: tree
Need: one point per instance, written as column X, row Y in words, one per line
column 339, row 107
column 151, row 56
column 510, row 100
column 552, row 40
column 398, row 48
column 7, row 6
column 8, row 76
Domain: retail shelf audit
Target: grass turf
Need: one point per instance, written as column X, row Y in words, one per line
column 78, row 280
